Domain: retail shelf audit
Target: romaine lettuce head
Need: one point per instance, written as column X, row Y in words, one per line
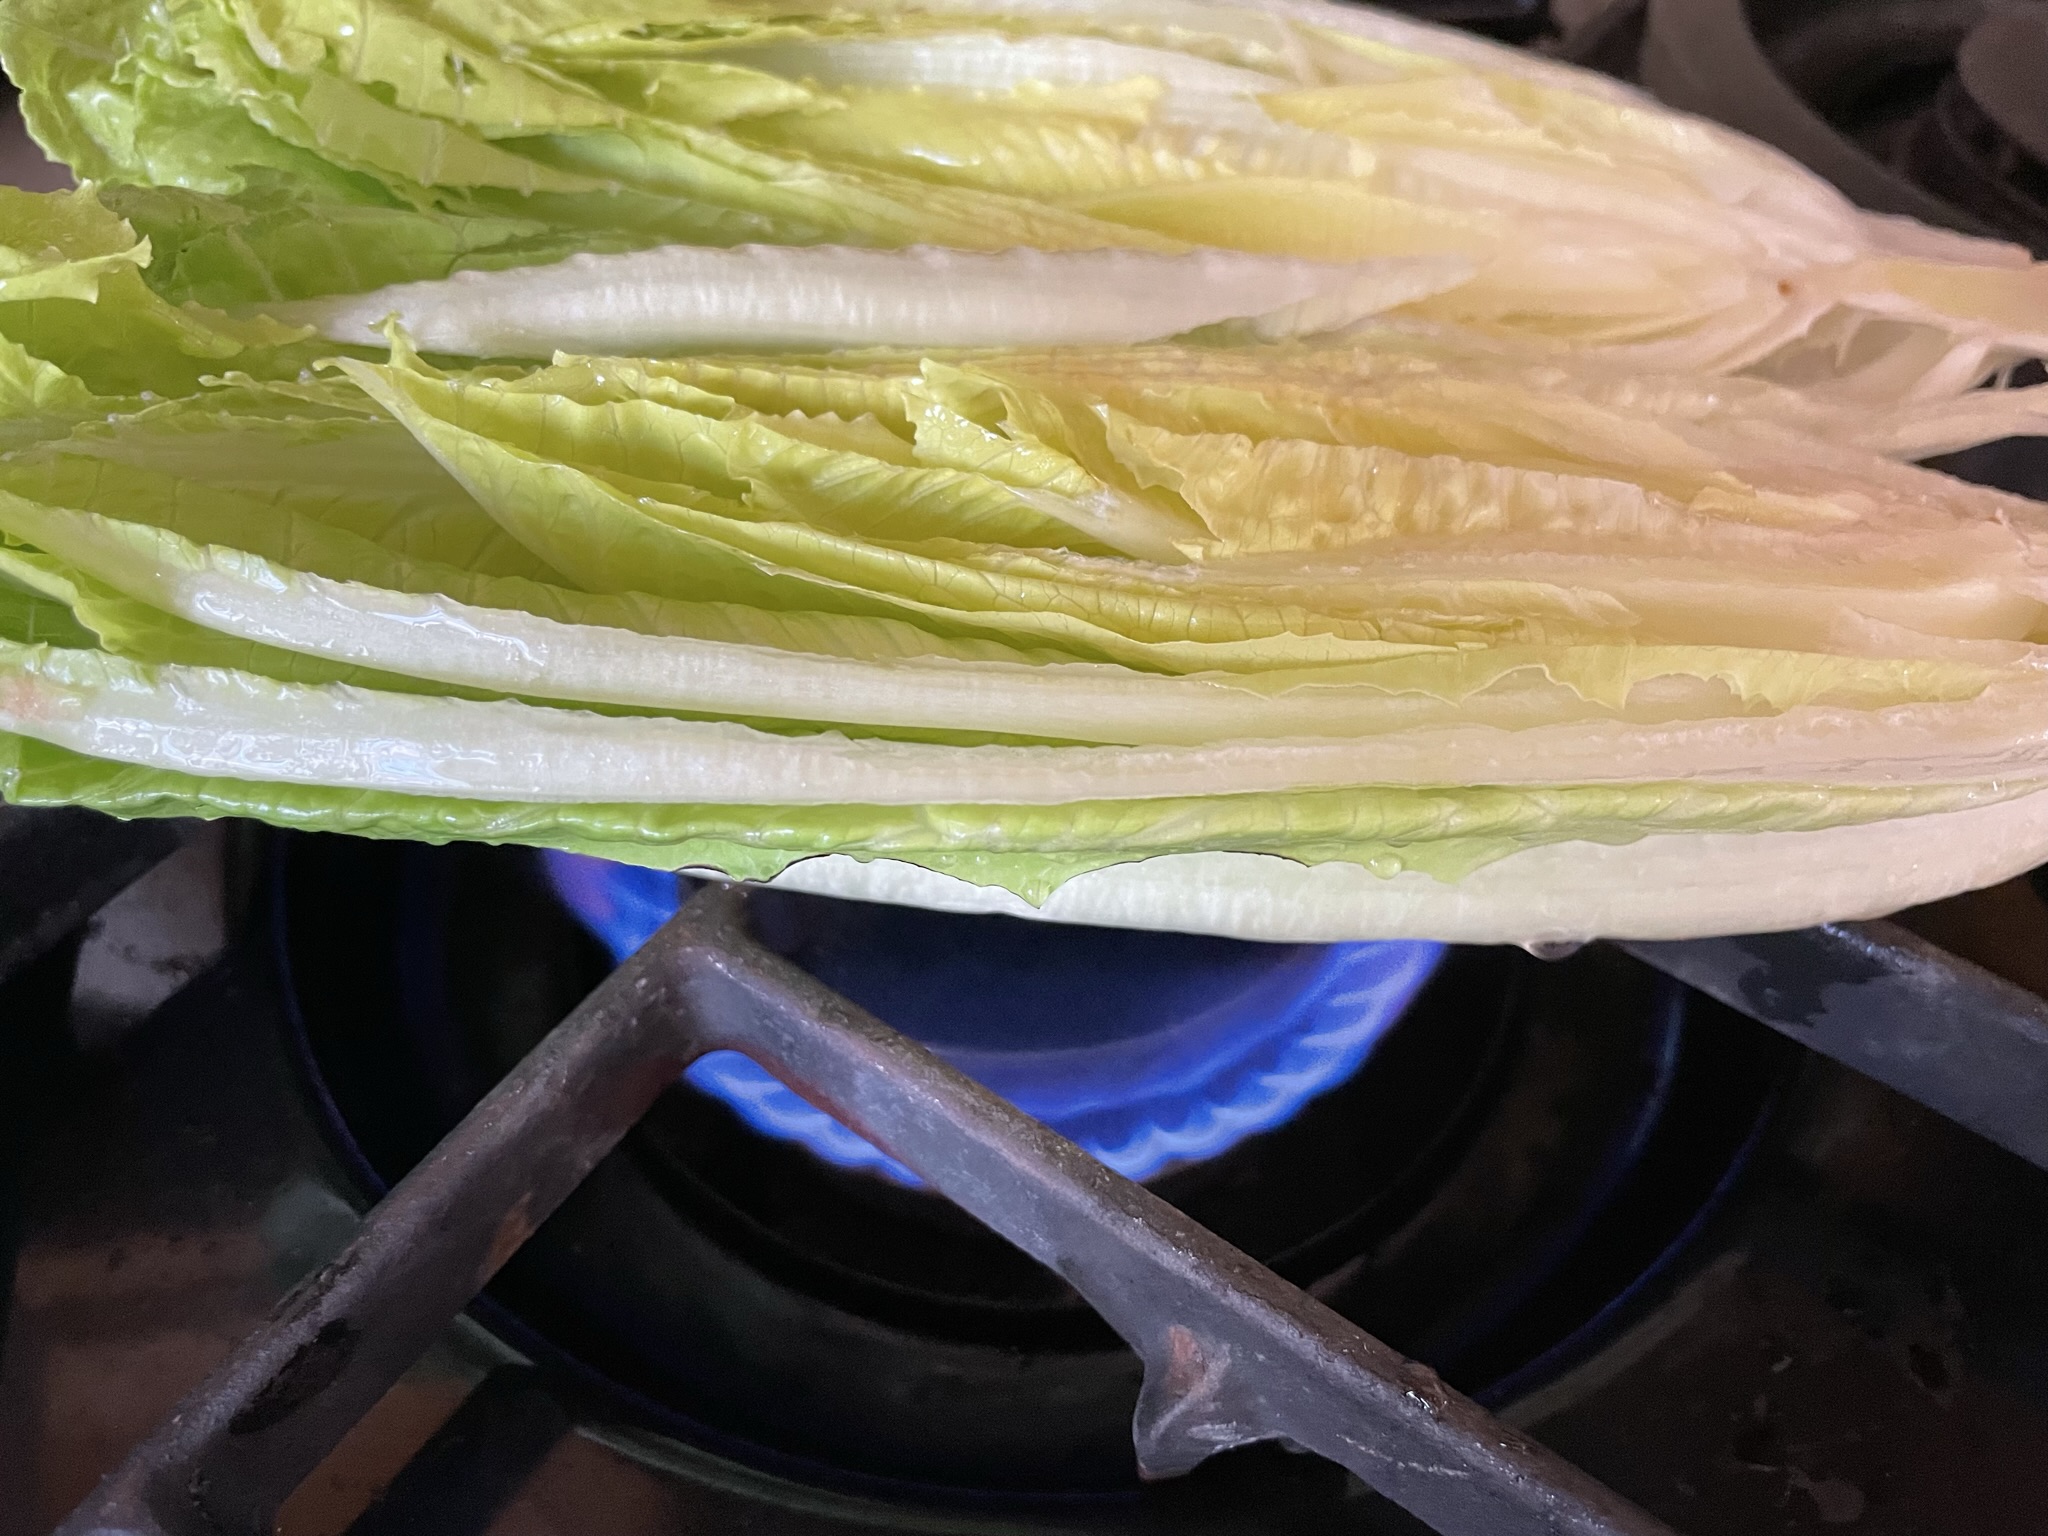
column 1399, row 632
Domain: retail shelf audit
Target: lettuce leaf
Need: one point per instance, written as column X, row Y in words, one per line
column 486, row 135
column 1029, row 851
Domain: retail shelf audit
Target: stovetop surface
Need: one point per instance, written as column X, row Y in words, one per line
column 1851, row 1337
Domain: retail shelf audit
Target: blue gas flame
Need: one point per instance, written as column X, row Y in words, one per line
column 1149, row 1050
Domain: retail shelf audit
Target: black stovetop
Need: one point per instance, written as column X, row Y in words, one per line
column 1742, row 1285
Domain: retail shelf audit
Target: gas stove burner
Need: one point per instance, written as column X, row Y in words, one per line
column 1737, row 1283
column 1148, row 1049
column 1933, row 108
column 1515, row 1169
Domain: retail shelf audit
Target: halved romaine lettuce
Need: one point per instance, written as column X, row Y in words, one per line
column 1411, row 630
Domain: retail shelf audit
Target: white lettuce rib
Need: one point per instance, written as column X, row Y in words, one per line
column 678, row 298
column 218, row 722
column 1670, row 885
column 437, row 638
column 991, row 61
